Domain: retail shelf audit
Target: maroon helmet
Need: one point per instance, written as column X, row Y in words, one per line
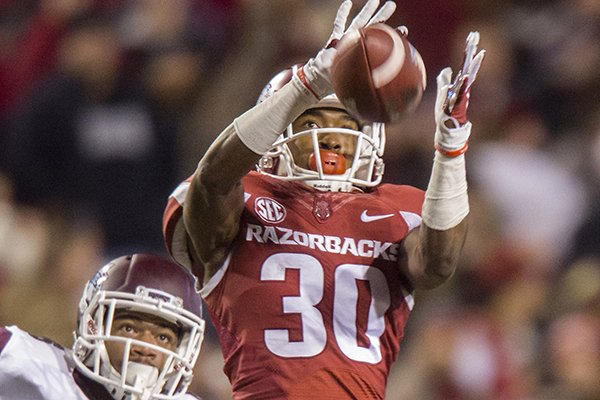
column 147, row 284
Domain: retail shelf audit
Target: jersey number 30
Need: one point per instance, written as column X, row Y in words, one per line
column 345, row 299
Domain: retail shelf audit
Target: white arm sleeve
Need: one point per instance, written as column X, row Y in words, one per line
column 259, row 127
column 446, row 201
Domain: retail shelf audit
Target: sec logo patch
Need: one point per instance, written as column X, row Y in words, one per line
column 269, row 210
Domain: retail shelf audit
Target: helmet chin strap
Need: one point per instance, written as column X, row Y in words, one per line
column 141, row 377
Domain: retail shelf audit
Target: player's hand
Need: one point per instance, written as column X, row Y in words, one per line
column 315, row 75
column 452, row 125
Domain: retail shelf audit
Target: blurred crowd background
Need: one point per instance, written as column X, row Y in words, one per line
column 105, row 105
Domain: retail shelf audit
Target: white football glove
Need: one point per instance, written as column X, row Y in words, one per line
column 315, row 75
column 452, row 126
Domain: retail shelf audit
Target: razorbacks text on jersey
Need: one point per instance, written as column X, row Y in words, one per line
column 36, row 368
column 310, row 302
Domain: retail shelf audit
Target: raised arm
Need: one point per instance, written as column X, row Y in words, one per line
column 215, row 200
column 434, row 249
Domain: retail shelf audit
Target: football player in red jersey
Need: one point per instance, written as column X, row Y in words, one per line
column 309, row 264
column 139, row 334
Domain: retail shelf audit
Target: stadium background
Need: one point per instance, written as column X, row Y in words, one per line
column 105, row 105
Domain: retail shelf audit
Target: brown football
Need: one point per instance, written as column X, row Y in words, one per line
column 377, row 74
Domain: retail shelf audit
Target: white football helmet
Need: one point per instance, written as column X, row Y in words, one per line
column 365, row 170
column 151, row 285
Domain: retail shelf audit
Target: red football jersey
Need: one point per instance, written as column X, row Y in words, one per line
column 310, row 302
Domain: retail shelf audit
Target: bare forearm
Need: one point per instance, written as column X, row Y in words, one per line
column 215, row 199
column 432, row 255
column 434, row 251
column 211, row 222
column 440, row 252
column 224, row 164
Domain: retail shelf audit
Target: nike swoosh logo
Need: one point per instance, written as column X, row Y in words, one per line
column 370, row 218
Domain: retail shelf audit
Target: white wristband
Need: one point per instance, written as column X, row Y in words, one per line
column 259, row 127
column 452, row 141
column 446, row 200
